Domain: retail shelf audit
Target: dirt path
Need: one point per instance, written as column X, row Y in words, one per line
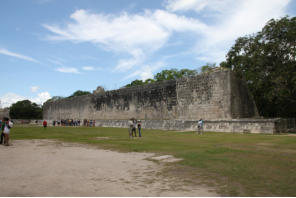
column 48, row 168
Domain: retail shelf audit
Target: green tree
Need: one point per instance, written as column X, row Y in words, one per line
column 208, row 67
column 135, row 83
column 25, row 110
column 174, row 74
column 186, row 73
column 149, row 80
column 79, row 93
column 54, row 98
column 165, row 75
column 267, row 60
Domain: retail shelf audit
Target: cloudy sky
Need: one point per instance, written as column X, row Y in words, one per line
column 55, row 47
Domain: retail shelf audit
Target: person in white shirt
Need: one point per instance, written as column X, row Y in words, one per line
column 134, row 130
column 200, row 126
column 130, row 127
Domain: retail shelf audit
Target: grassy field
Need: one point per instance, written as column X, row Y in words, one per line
column 236, row 164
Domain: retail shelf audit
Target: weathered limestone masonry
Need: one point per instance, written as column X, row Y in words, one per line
column 4, row 112
column 269, row 126
column 217, row 97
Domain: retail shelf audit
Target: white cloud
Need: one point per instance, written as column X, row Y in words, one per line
column 233, row 18
column 41, row 98
column 9, row 98
column 118, row 33
column 140, row 35
column 19, row 56
column 34, row 89
column 88, row 68
column 138, row 58
column 68, row 70
column 56, row 62
column 200, row 5
column 146, row 71
column 137, row 35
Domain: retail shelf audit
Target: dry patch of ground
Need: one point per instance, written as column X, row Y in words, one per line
column 166, row 158
column 50, row 168
column 102, row 138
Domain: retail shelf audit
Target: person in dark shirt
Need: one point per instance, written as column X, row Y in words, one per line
column 139, row 127
column 2, row 128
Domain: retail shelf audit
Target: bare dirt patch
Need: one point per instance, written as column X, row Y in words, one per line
column 289, row 134
column 271, row 147
column 166, row 158
column 102, row 138
column 51, row 168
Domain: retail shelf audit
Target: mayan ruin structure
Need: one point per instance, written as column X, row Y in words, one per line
column 220, row 98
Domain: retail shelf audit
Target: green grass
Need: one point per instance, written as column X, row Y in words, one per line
column 236, row 164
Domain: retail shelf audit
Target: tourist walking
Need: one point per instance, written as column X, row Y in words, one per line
column 130, row 128
column 44, row 124
column 2, row 128
column 200, row 126
column 139, row 127
column 6, row 130
column 134, row 130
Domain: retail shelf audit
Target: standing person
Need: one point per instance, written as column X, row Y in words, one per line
column 2, row 128
column 130, row 127
column 200, row 126
column 6, row 130
column 44, row 124
column 139, row 127
column 134, row 130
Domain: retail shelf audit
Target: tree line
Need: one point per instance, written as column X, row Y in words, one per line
column 26, row 109
column 266, row 60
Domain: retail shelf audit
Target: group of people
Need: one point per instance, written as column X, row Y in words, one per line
column 89, row 123
column 71, row 122
column 66, row 122
column 133, row 125
column 6, row 125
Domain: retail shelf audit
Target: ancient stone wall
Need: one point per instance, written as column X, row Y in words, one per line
column 4, row 113
column 267, row 126
column 215, row 95
column 153, row 101
column 206, row 96
column 241, row 99
column 246, row 125
column 79, row 107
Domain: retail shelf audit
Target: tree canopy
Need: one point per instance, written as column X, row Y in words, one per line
column 267, row 61
column 208, row 67
column 25, row 109
column 79, row 93
column 165, row 75
column 55, row 98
